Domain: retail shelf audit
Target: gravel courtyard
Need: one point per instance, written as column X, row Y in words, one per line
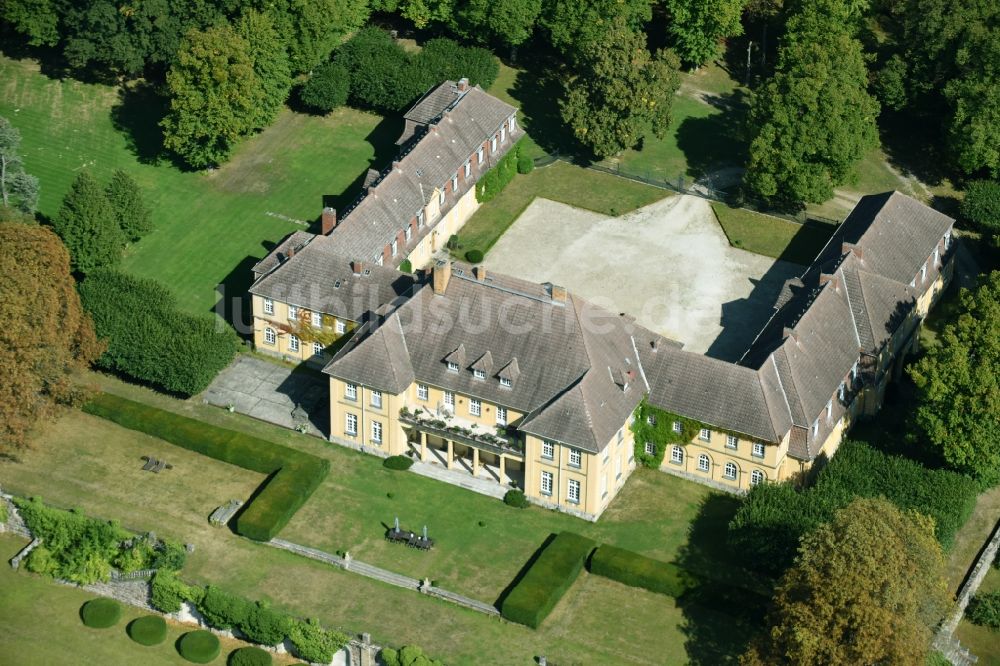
column 668, row 264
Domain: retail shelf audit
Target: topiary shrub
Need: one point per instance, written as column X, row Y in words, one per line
column 399, row 463
column 147, row 630
column 199, row 646
column 524, row 163
column 453, row 242
column 409, row 655
column 984, row 610
column 515, row 498
column 406, row 266
column 101, row 613
column 474, row 256
column 638, row 570
column 249, row 656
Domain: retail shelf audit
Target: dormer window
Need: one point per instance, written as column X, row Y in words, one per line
column 468, row 168
column 505, row 382
column 394, row 247
column 408, row 233
column 947, row 239
column 479, row 374
column 441, row 197
column 815, row 428
column 454, row 183
column 452, row 367
column 493, row 144
column 503, row 134
column 923, row 272
column 479, row 156
column 420, row 218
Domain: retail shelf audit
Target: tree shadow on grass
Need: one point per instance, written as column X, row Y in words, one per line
column 537, row 91
column 137, row 115
column 924, row 159
column 718, row 140
column 233, row 302
column 727, row 605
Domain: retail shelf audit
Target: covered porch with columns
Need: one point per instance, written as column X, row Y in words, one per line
column 503, row 465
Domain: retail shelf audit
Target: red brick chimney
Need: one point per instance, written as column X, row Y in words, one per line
column 480, row 273
column 290, row 252
column 357, row 266
column 329, row 220
column 558, row 294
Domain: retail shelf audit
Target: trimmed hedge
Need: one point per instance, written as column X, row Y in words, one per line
column 399, row 463
column 249, row 656
column 524, row 163
column 168, row 592
column 545, row 582
column 147, row 630
column 515, row 498
column 474, row 256
column 293, row 475
column 199, row 646
column 638, row 570
column 101, row 613
column 493, row 181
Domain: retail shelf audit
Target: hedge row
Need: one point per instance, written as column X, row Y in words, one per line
column 292, row 475
column 258, row 622
column 545, row 582
column 768, row 525
column 497, row 178
column 638, row 570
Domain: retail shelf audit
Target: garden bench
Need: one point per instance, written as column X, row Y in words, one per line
column 150, row 463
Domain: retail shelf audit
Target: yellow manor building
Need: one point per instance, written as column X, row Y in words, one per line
column 528, row 386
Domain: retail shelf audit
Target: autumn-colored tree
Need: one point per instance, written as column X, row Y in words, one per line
column 46, row 335
column 866, row 588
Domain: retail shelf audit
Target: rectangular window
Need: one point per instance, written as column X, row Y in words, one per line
column 449, row 399
column 815, row 427
column 854, row 370
column 493, row 144
column 505, row 382
column 479, row 374
column 293, row 313
column 408, row 233
column 454, row 183
column 468, row 168
column 548, row 450
column 293, row 343
column 376, row 432
column 651, row 420
column 677, row 455
column 441, row 197
column 503, row 134
column 937, row 256
column 452, row 367
column 678, row 428
column 705, row 435
column 394, row 247
column 317, row 319
column 269, row 336
column 758, row 450
column 422, row 392
column 573, row 487
column 420, row 218
column 475, row 407
column 351, row 391
column 621, row 435
column 546, row 483
column 650, row 449
column 351, row 424
column 575, row 458
column 732, row 442
column 317, row 349
column 829, row 408
column 947, row 240
column 268, row 306
column 501, row 416
column 479, row 155
column 377, row 399
column 842, row 391
column 341, row 327
column 923, row 272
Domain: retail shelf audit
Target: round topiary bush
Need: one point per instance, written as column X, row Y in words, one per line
column 198, row 646
column 474, row 256
column 249, row 656
column 515, row 498
column 101, row 613
column 397, row 462
column 524, row 163
column 148, row 630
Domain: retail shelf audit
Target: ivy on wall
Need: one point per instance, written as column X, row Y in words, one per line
column 326, row 334
column 656, row 425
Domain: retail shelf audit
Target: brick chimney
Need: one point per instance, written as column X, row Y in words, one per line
column 463, row 84
column 829, row 277
column 480, row 273
column 558, row 294
column 329, row 220
column 290, row 252
column 441, row 276
column 357, row 266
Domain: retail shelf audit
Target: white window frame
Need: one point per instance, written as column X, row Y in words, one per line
column 408, row 233
column 842, row 391
column 293, row 343
column 503, row 133
column 505, row 382
column 293, row 313
column 651, row 420
column 758, row 450
column 650, row 449
column 704, row 463
column 756, row 477
column 468, row 168
column 677, row 427
column 376, row 432
column 449, row 399
column 420, row 218
column 854, row 371
column 575, row 458
column 573, row 491
column 937, row 256
column 815, row 428
column 394, row 247
column 317, row 319
column 351, row 424
column 454, row 183
column 501, row 415
column 268, row 306
column 705, row 434
column 341, row 327
column 677, row 454
column 947, row 239
column 350, row 391
column 545, row 486
column 317, row 348
column 475, row 407
column 829, row 409
column 732, row 442
column 604, row 485
column 621, row 435
column 441, row 196
column 452, row 366
column 618, row 466
column 376, row 399
column 548, row 450
column 423, row 392
column 479, row 374
column 479, row 155
column 270, row 337
column 730, row 471
column 923, row 272
column 493, row 144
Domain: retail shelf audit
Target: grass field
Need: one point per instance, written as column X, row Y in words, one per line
column 983, row 641
column 40, row 625
column 657, row 514
column 209, row 225
column 772, row 236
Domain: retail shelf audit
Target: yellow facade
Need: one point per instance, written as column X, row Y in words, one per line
column 456, row 217
column 280, row 323
column 723, row 449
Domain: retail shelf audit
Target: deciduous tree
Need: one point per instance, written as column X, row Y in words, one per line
column 129, row 208
column 574, row 22
column 215, row 96
column 18, row 188
column 38, row 20
column 508, row 21
column 311, row 29
column 974, row 97
column 87, row 224
column 270, row 63
column 327, row 88
column 382, row 76
column 958, row 385
column 866, row 588
column 981, row 205
column 45, row 337
column 698, row 26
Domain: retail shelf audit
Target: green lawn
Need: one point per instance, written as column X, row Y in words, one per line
column 40, row 625
column 657, row 514
column 772, row 236
column 983, row 641
column 210, row 226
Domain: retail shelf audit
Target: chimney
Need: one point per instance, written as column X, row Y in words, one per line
column 654, row 344
column 329, row 220
column 357, row 266
column 829, row 277
column 441, row 276
column 558, row 294
column 480, row 273
column 463, row 84
column 290, row 252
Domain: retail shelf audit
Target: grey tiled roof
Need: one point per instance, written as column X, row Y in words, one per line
column 295, row 240
column 434, row 158
column 310, row 280
column 433, row 103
